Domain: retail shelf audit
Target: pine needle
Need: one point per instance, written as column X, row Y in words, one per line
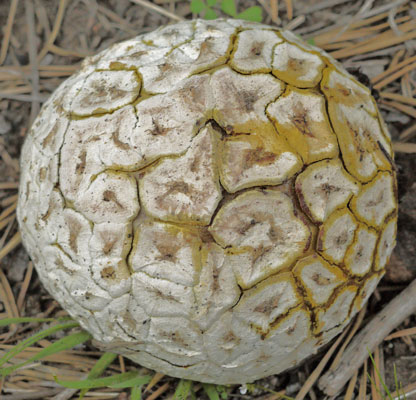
column 314, row 376
column 8, row 30
column 401, row 333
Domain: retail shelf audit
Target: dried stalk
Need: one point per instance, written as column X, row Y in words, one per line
column 400, row 308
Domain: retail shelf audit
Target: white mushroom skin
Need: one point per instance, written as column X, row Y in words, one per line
column 214, row 200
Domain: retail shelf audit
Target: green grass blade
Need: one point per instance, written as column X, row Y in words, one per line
column 136, row 393
column 197, row 6
column 182, row 390
column 398, row 386
column 118, row 381
column 386, row 389
column 21, row 320
column 211, row 391
column 254, row 14
column 35, row 338
column 228, row 7
column 100, row 366
column 136, row 381
column 193, row 395
column 396, row 380
column 68, row 342
column 222, row 390
column 252, row 386
column 210, row 14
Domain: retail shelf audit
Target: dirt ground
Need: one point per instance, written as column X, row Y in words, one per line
column 89, row 26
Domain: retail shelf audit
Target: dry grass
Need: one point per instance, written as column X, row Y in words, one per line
column 362, row 33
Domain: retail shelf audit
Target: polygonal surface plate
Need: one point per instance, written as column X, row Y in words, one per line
column 214, row 200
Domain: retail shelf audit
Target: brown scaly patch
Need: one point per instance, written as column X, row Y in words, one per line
column 195, row 164
column 205, row 235
column 247, row 98
column 80, row 167
column 51, row 135
column 167, row 248
column 215, row 285
column 191, row 95
column 230, row 337
column 163, row 296
column 108, row 273
column 42, row 174
column 244, row 98
column 359, row 253
column 109, row 195
column 60, row 265
column 356, row 138
column 257, row 48
column 319, row 279
column 164, row 69
column 291, row 330
column 300, row 120
column 108, row 246
column 99, row 92
column 342, row 239
column 118, row 142
column 74, row 228
column 269, row 305
column 174, row 187
column 376, row 201
column 51, row 208
column 205, row 50
column 296, row 64
column 258, row 156
column 275, row 233
column 129, row 320
column 158, row 130
column 245, row 227
column 342, row 90
column 178, row 338
column 328, row 189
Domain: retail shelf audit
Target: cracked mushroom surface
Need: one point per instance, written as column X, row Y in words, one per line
column 214, row 200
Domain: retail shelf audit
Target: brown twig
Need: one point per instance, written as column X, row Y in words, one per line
column 289, row 9
column 7, row 297
column 408, row 133
column 314, row 376
column 376, row 384
column 4, row 222
column 10, row 245
column 399, row 97
column 55, row 30
column 159, row 10
column 25, row 286
column 406, row 390
column 375, row 43
column 349, row 394
column 400, row 308
column 401, row 107
column 6, row 212
column 9, row 185
column 8, row 200
column 354, row 329
column 8, row 30
column 404, row 332
column 362, row 392
column 159, row 391
column 274, row 10
column 34, row 73
column 155, row 380
column 401, row 71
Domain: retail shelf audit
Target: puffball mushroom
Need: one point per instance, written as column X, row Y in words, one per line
column 214, row 200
